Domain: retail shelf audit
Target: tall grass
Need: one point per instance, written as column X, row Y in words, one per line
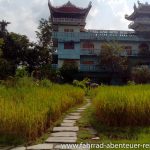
column 122, row 106
column 29, row 108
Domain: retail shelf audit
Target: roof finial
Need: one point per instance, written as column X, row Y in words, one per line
column 139, row 3
column 135, row 6
column 90, row 4
column 49, row 2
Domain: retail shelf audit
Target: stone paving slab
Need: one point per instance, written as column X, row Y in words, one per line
column 61, row 140
column 69, row 121
column 74, row 114
column 41, row 147
column 79, row 110
column 64, row 134
column 19, row 148
column 67, row 124
column 73, row 117
column 63, row 129
column 58, row 147
column 83, row 108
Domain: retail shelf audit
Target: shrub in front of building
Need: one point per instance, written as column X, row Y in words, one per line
column 69, row 70
column 141, row 74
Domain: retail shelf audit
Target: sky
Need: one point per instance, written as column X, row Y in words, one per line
column 24, row 15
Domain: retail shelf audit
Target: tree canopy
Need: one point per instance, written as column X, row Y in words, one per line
column 111, row 57
column 17, row 49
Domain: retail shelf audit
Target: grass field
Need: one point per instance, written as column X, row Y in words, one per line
column 120, row 114
column 108, row 135
column 122, row 106
column 28, row 108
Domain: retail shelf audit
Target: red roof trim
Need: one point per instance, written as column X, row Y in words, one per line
column 69, row 8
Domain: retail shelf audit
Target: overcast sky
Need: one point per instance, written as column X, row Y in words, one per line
column 25, row 14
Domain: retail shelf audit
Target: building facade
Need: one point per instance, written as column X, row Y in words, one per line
column 75, row 44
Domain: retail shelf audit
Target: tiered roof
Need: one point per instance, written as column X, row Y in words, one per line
column 140, row 10
column 69, row 8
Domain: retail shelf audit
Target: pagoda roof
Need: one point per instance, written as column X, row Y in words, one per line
column 69, row 8
column 139, row 10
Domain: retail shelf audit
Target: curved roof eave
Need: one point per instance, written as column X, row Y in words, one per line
column 76, row 10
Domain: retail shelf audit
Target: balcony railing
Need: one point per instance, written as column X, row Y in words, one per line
column 97, row 52
column 92, row 68
column 98, row 35
column 69, row 20
column 89, row 51
column 123, row 33
column 132, row 53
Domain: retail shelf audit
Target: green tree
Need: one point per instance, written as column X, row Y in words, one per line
column 111, row 57
column 3, row 27
column 44, row 47
column 16, row 49
column 68, row 70
column 1, row 44
column 44, row 33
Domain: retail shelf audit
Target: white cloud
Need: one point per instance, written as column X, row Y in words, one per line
column 23, row 15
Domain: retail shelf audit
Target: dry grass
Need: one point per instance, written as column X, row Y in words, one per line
column 122, row 106
column 28, row 109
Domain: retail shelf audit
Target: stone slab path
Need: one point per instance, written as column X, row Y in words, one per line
column 66, row 133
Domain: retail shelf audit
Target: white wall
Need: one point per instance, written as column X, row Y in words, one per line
column 75, row 28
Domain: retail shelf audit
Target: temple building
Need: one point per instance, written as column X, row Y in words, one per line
column 140, row 18
column 75, row 44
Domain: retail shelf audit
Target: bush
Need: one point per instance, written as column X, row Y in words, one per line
column 82, row 84
column 46, row 83
column 21, row 72
column 6, row 69
column 131, row 83
column 141, row 74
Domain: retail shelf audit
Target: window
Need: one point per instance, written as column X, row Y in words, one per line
column 69, row 45
column 128, row 50
column 144, row 49
column 88, row 45
column 68, row 30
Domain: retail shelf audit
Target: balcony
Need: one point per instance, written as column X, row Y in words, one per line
column 89, row 51
column 69, row 21
column 69, row 54
column 99, row 35
column 88, row 68
column 133, row 53
column 96, row 52
column 92, row 68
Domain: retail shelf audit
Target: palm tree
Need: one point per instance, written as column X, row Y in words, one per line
column 3, row 25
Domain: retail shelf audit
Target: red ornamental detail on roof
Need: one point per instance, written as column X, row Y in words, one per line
column 69, row 8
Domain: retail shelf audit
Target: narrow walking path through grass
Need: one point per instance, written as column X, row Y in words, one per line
column 66, row 133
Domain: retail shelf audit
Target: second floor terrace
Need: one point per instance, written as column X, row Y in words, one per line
column 103, row 35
